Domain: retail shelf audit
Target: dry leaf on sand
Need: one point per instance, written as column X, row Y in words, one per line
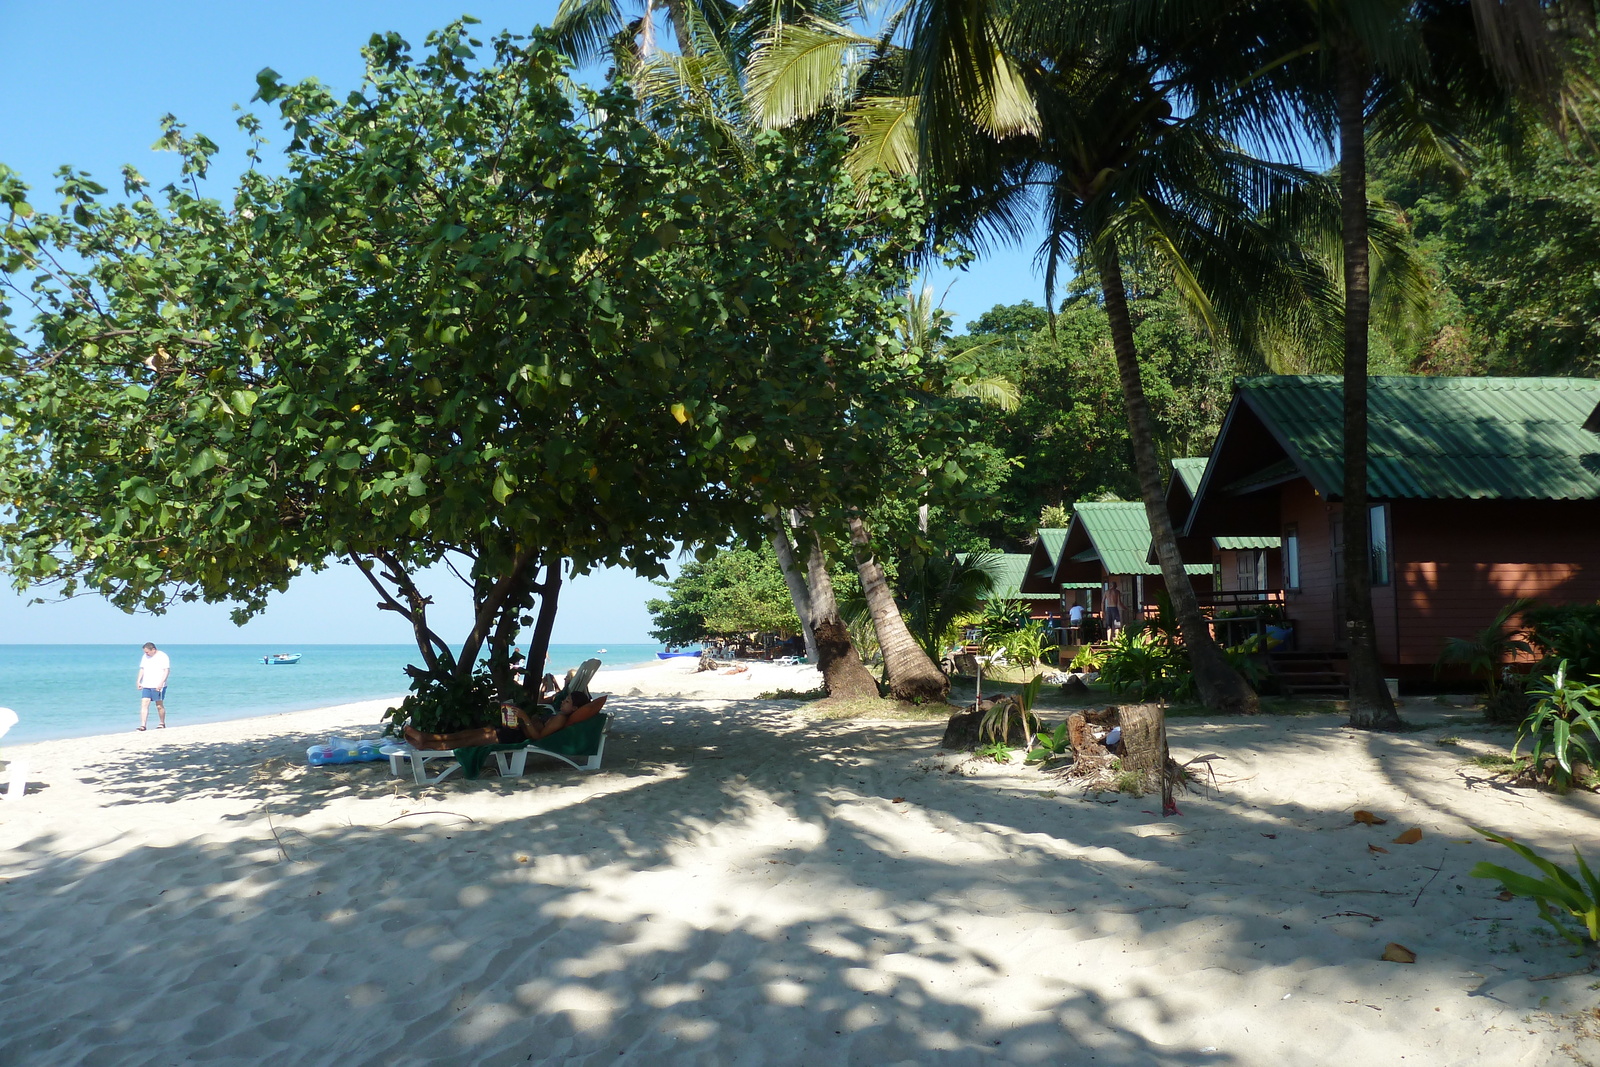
column 1377, row 848
column 1504, row 894
column 1410, row 837
column 1363, row 816
column 1398, row 953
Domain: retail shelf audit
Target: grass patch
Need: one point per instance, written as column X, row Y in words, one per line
column 1297, row 707
column 878, row 708
column 1448, row 739
column 795, row 694
column 1499, row 763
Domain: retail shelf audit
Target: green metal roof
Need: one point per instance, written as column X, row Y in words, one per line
column 1120, row 533
column 1442, row 438
column 1246, row 544
column 1190, row 470
column 1008, row 577
column 1052, row 540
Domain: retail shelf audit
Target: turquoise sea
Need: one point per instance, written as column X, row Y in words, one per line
column 74, row 690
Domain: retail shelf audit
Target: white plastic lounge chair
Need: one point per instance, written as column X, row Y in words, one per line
column 17, row 783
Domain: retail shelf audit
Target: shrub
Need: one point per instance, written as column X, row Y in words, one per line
column 1025, row 645
column 1558, row 887
column 445, row 704
column 1088, row 659
column 1144, row 665
column 1566, row 709
column 1569, row 632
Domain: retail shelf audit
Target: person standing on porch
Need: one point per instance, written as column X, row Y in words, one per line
column 1113, row 609
column 154, row 669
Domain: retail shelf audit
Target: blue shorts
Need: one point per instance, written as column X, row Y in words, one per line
column 154, row 694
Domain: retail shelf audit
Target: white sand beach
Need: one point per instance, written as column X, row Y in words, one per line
column 742, row 884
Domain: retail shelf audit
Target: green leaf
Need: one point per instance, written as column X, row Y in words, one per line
column 500, row 490
column 419, row 517
column 144, row 494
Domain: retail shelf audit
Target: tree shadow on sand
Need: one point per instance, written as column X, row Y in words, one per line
column 739, row 886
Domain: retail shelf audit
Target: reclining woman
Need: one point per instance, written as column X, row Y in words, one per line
column 516, row 725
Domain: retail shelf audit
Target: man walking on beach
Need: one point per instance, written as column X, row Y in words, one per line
column 152, row 684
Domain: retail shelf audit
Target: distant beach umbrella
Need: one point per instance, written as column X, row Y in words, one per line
column 8, row 719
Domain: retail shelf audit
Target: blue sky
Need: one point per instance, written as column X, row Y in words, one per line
column 85, row 83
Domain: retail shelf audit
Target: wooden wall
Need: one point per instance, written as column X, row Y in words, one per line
column 1460, row 561
column 1311, row 609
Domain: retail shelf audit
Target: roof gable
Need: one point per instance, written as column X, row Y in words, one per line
column 1039, row 576
column 1440, row 438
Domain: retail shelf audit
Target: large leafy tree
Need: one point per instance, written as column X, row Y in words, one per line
column 1069, row 437
column 475, row 322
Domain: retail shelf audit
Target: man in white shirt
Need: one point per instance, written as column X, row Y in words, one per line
column 152, row 684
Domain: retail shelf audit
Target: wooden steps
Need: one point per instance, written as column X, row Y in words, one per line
column 1311, row 674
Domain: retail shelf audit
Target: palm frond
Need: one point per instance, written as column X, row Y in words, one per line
column 802, row 70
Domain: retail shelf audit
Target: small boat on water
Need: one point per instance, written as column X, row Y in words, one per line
column 281, row 659
column 679, row 655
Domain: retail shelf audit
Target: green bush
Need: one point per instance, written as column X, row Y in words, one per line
column 1566, row 632
column 1024, row 646
column 1564, row 712
column 1145, row 665
column 1088, row 658
column 444, row 705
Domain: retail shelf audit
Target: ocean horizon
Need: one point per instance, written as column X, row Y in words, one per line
column 77, row 690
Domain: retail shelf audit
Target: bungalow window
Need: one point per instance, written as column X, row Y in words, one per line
column 1378, row 523
column 1291, row 557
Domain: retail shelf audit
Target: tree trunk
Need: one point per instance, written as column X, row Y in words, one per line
column 1370, row 706
column 1143, row 753
column 912, row 675
column 544, row 624
column 1220, row 687
column 843, row 673
column 784, row 548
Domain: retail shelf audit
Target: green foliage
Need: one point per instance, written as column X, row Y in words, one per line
column 1565, row 633
column 1000, row 619
column 1050, row 745
column 1013, row 712
column 1024, row 646
column 1558, row 891
column 1484, row 652
column 445, row 704
column 1088, row 658
column 1248, row 665
column 998, row 751
column 939, row 589
column 482, row 316
column 1564, row 711
column 1069, row 436
column 1512, row 244
column 1144, row 665
column 732, row 591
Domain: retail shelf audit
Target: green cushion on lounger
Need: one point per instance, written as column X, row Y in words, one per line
column 580, row 739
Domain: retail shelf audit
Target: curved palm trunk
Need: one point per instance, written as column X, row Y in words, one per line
column 912, row 675
column 1370, row 706
column 843, row 673
column 784, row 549
column 1220, row 686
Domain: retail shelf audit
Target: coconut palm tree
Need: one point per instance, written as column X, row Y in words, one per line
column 1024, row 126
column 1421, row 75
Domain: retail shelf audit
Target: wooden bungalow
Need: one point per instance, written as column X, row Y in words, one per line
column 1481, row 490
column 1244, row 569
column 1107, row 544
column 1010, row 584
